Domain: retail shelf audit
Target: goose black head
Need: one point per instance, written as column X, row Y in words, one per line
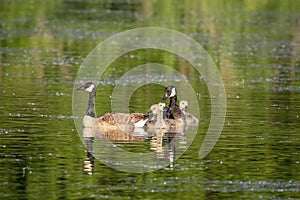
column 170, row 91
column 89, row 86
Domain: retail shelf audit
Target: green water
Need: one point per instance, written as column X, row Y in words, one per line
column 256, row 46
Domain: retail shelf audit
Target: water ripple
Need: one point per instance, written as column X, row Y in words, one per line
column 258, row 186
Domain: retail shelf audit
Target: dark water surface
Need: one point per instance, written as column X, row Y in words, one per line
column 256, row 46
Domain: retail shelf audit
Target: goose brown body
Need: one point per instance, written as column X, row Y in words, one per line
column 122, row 122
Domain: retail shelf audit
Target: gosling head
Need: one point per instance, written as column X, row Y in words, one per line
column 153, row 109
column 170, row 91
column 161, row 106
column 183, row 105
column 89, row 86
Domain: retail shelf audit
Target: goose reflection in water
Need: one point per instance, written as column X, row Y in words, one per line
column 88, row 164
column 163, row 125
column 165, row 143
column 162, row 142
column 93, row 133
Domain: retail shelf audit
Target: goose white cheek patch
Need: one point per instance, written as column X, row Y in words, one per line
column 90, row 89
column 173, row 93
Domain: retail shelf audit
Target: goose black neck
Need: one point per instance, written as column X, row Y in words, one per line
column 173, row 101
column 91, row 104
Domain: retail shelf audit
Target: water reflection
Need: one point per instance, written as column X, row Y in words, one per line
column 256, row 46
column 162, row 142
column 88, row 163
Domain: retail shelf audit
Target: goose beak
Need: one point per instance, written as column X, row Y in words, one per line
column 164, row 97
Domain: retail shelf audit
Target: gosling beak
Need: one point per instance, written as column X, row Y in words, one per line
column 149, row 114
column 146, row 116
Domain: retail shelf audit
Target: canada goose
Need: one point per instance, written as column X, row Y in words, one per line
column 173, row 111
column 189, row 118
column 109, row 121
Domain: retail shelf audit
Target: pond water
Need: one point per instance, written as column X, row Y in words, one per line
column 255, row 45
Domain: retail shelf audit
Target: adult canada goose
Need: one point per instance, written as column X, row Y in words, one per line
column 190, row 119
column 108, row 121
column 173, row 111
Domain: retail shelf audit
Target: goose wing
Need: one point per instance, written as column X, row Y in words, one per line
column 115, row 121
column 107, row 122
column 124, row 121
column 139, row 119
column 174, row 113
